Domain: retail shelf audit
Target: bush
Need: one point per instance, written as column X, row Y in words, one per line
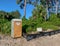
column 58, row 15
column 6, row 27
column 32, row 24
column 30, row 29
column 48, row 25
column 54, row 20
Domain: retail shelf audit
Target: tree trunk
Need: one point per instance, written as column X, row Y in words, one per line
column 47, row 17
column 56, row 7
column 25, row 8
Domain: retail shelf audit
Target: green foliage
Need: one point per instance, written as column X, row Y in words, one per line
column 54, row 20
column 46, row 3
column 29, row 29
column 28, row 25
column 48, row 25
column 58, row 15
column 39, row 13
column 31, row 2
column 5, row 21
column 6, row 27
column 15, row 14
column 38, row 19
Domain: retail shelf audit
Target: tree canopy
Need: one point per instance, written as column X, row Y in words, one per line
column 23, row 4
column 9, row 15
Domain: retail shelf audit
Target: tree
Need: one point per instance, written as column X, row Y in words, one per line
column 38, row 12
column 23, row 4
column 56, row 6
column 9, row 15
column 49, row 4
column 5, row 20
column 15, row 14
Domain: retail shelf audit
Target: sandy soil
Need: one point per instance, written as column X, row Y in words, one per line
column 53, row 40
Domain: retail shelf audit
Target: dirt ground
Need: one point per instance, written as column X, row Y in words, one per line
column 53, row 40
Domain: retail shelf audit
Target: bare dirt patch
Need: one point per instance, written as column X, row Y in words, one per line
column 53, row 40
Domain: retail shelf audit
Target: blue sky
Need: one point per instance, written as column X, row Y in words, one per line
column 10, row 5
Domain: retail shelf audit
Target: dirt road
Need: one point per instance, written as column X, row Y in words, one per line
column 53, row 40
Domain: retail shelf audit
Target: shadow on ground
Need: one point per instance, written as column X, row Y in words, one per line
column 40, row 34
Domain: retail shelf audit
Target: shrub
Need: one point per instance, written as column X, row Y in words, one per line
column 58, row 15
column 54, row 20
column 30, row 29
column 6, row 27
column 48, row 25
